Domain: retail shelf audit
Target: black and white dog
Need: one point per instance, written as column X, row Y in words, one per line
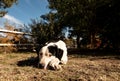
column 52, row 54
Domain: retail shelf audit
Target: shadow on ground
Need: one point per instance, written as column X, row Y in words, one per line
column 93, row 52
column 32, row 61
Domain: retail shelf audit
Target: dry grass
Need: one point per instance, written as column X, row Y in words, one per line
column 22, row 67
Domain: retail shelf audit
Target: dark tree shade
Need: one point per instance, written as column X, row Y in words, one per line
column 91, row 17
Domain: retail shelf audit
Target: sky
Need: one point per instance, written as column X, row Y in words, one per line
column 24, row 11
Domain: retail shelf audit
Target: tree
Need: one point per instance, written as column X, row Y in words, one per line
column 89, row 18
column 40, row 31
column 5, row 4
column 54, row 25
column 75, row 14
column 108, row 19
column 46, row 29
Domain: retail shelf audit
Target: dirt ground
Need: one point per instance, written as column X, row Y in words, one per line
column 23, row 67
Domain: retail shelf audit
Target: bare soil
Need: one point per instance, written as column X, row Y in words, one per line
column 23, row 67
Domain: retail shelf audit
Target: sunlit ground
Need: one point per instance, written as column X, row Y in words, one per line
column 23, row 67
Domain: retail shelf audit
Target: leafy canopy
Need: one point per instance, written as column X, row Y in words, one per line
column 5, row 4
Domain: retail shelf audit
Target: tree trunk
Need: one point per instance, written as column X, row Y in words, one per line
column 92, row 40
column 78, row 41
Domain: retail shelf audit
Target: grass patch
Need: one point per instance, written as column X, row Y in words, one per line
column 22, row 67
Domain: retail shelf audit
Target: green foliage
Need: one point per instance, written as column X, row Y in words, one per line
column 38, row 30
column 41, row 31
column 54, row 25
column 90, row 18
column 5, row 4
column 76, row 14
column 46, row 29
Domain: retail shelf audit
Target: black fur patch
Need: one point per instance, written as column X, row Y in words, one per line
column 59, row 54
column 53, row 49
column 56, row 51
column 37, row 48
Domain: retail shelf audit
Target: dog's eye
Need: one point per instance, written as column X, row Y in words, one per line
column 40, row 54
column 50, row 54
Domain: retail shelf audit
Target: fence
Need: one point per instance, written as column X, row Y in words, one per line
column 14, row 32
column 18, row 47
column 6, row 47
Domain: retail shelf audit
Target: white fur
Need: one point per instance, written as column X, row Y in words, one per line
column 54, row 63
column 46, row 57
column 62, row 46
